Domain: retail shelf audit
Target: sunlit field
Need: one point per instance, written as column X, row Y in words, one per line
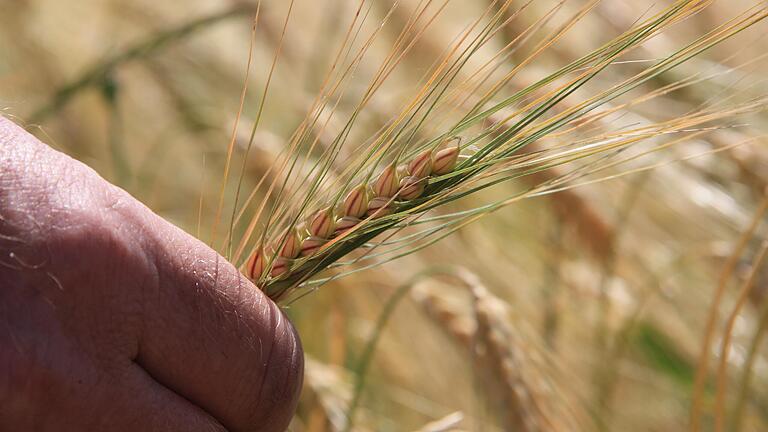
column 486, row 215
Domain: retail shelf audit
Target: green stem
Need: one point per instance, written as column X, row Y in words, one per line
column 361, row 370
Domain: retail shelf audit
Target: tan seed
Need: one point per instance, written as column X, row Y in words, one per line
column 411, row 187
column 254, row 267
column 310, row 245
column 421, row 165
column 379, row 207
column 356, row 202
column 322, row 224
column 445, row 160
column 386, row 184
column 291, row 244
column 346, row 223
column 280, row 266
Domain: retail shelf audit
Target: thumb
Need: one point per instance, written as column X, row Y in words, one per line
column 216, row 339
column 130, row 289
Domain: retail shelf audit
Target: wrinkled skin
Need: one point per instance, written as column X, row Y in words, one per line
column 112, row 319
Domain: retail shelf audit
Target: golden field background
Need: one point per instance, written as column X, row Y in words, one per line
column 587, row 309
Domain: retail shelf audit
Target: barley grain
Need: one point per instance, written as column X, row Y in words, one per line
column 421, row 165
column 444, row 161
column 411, row 187
column 387, row 183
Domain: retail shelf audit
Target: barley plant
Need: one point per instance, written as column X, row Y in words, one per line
column 490, row 215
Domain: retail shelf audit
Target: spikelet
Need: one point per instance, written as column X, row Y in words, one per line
column 387, row 183
column 499, row 353
column 444, row 161
column 311, row 244
column 291, row 244
column 280, row 266
column 421, row 165
column 379, row 207
column 450, row 319
column 356, row 202
column 401, row 171
column 506, row 363
column 331, row 386
column 411, row 187
column 322, row 224
column 346, row 223
column 254, row 267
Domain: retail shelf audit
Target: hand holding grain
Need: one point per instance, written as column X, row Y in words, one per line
column 113, row 319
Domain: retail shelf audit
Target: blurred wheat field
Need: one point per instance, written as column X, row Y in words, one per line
column 630, row 298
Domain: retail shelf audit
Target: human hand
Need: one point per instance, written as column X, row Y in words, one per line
column 113, row 319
